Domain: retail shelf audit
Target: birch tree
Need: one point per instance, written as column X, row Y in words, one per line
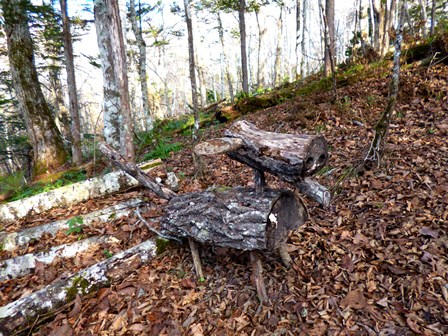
column 44, row 136
column 118, row 127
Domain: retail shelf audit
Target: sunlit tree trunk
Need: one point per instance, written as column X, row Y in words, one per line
column 242, row 25
column 141, row 64
column 48, row 150
column 226, row 61
column 118, row 127
column 278, row 49
column 303, row 43
column 194, row 91
column 298, row 19
column 433, row 17
column 329, row 38
column 423, row 17
column 71, row 83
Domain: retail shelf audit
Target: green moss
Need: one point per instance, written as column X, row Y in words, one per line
column 79, row 285
column 161, row 245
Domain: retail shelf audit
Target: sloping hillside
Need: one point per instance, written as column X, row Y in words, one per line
column 374, row 262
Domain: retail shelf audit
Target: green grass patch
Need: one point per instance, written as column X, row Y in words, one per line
column 15, row 184
column 162, row 150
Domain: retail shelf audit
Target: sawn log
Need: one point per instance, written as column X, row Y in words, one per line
column 238, row 218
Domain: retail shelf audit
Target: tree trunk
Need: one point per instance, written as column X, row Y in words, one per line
column 226, row 61
column 433, row 17
column 137, row 29
column 298, row 19
column 423, row 18
column 242, row 25
column 72, row 92
column 118, row 128
column 278, row 49
column 46, row 141
column 379, row 10
column 329, row 38
column 238, row 218
column 194, row 92
column 375, row 152
column 303, row 71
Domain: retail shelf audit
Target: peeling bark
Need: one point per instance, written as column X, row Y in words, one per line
column 23, row 265
column 67, row 195
column 13, row 240
column 15, row 316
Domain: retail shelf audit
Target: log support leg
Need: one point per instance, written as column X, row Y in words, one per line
column 286, row 258
column 257, row 271
column 259, row 180
column 196, row 259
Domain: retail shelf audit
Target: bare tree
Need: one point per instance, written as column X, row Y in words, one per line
column 303, row 43
column 194, row 93
column 141, row 64
column 44, row 136
column 242, row 25
column 118, row 127
column 329, row 37
column 375, row 152
column 433, row 16
column 71, row 82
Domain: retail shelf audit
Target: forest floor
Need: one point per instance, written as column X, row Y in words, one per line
column 373, row 263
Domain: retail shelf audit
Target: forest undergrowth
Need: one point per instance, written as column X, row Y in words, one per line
column 373, row 263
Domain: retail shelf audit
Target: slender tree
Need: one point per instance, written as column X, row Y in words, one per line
column 118, row 127
column 71, row 83
column 46, row 140
column 242, row 25
column 329, row 37
column 141, row 64
column 199, row 167
column 278, row 48
column 303, row 42
column 374, row 154
column 433, row 17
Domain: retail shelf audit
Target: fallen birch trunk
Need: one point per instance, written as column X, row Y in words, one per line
column 17, row 315
column 22, row 265
column 314, row 191
column 69, row 195
column 13, row 240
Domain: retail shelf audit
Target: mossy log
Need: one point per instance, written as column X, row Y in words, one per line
column 16, row 316
column 238, row 218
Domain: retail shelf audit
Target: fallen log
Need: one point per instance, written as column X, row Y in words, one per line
column 133, row 170
column 239, row 218
column 288, row 156
column 18, row 314
column 13, row 240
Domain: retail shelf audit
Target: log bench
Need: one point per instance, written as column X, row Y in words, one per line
column 250, row 219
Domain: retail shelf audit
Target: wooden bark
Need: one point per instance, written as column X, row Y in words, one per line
column 71, row 83
column 45, row 138
column 315, row 191
column 238, row 218
column 15, row 316
column 133, row 170
column 288, row 156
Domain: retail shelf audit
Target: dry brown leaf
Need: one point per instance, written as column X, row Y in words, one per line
column 354, row 299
